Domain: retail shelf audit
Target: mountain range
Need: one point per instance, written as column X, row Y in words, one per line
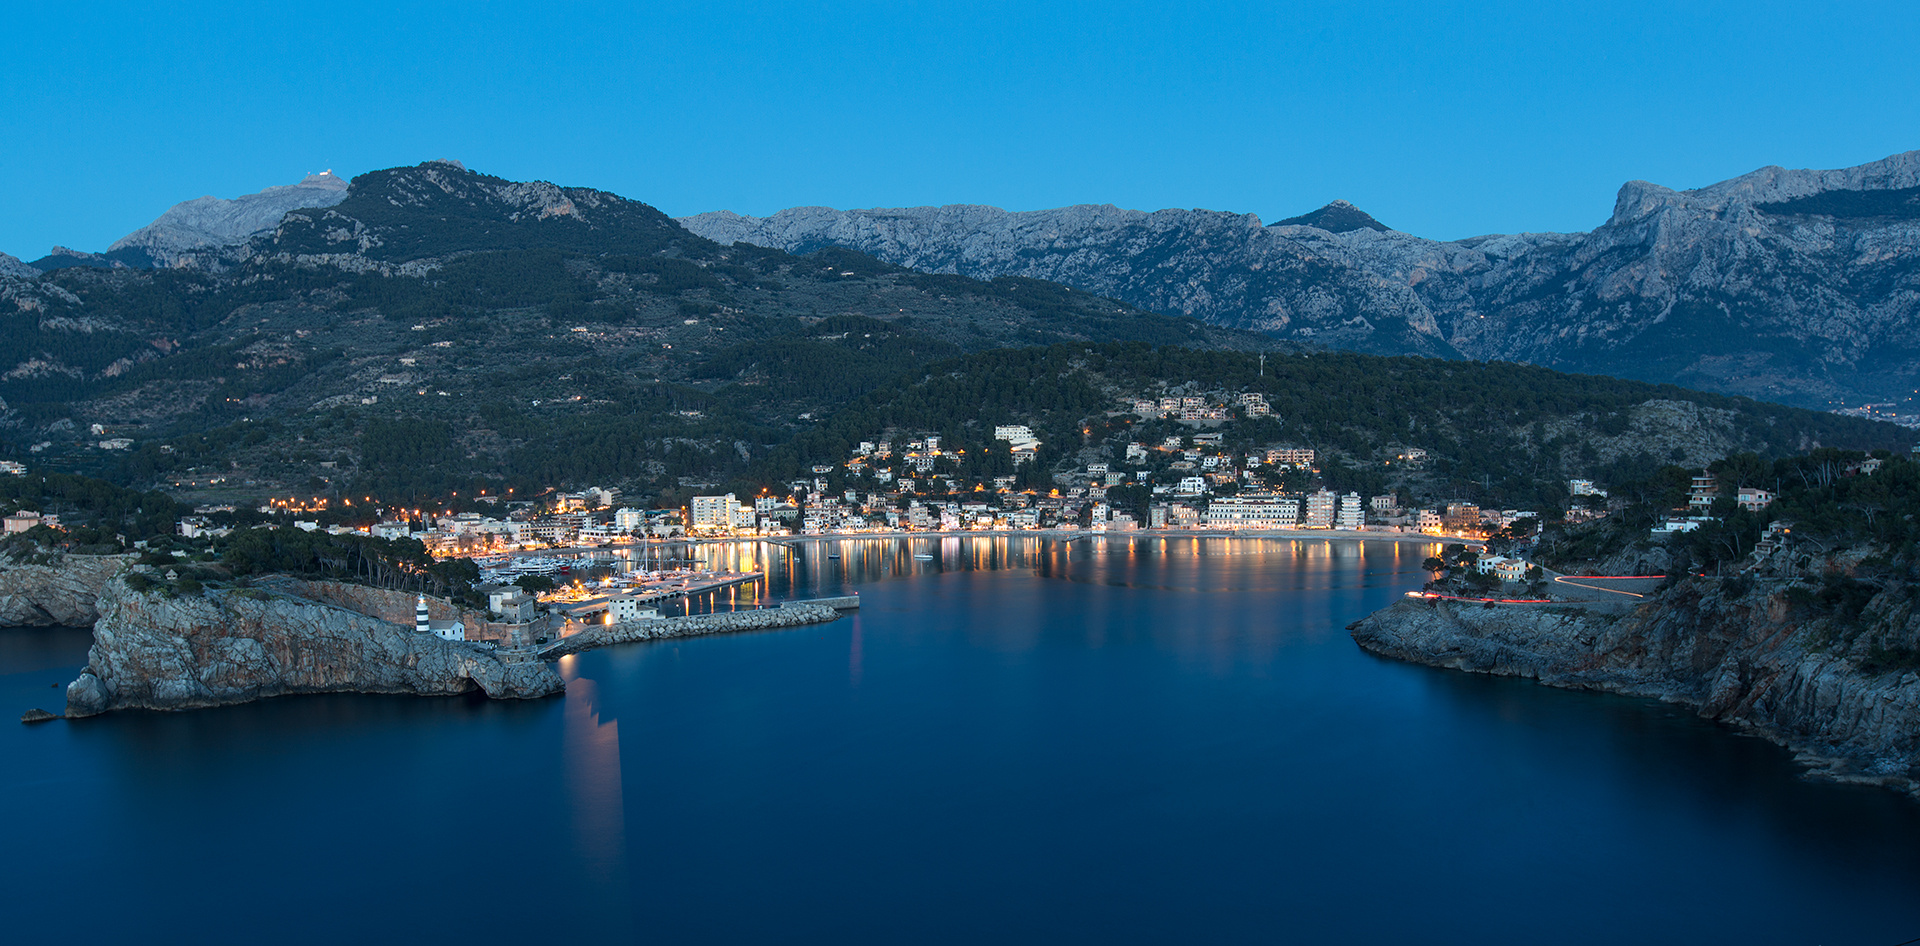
column 430, row 329
column 1800, row 286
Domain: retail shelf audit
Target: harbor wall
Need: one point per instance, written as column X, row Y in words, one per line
column 693, row 625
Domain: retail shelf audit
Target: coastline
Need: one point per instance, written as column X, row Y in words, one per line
column 1298, row 535
column 1740, row 659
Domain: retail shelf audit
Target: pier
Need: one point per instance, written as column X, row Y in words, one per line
column 840, row 603
column 693, row 625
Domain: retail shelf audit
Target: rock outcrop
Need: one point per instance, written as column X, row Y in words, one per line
column 1788, row 285
column 1749, row 657
column 55, row 589
column 14, row 266
column 155, row 652
column 692, row 625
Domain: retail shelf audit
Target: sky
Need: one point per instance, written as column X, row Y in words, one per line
column 1441, row 119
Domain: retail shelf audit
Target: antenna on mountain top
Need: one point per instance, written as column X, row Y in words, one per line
column 1263, row 364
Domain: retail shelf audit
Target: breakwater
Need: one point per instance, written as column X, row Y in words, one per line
column 693, row 625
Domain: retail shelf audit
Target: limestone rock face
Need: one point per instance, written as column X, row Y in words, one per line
column 1223, row 268
column 153, row 652
column 13, row 266
column 61, row 592
column 1745, row 659
column 1751, row 286
column 215, row 221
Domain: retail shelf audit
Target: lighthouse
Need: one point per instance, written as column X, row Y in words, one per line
column 451, row 630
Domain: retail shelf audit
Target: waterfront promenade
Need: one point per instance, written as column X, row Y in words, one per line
column 1304, row 535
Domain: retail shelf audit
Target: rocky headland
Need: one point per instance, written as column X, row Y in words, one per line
column 1840, row 689
column 151, row 651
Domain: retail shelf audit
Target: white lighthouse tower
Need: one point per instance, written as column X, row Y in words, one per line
column 445, row 630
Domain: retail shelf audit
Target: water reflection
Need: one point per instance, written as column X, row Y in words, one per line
column 834, row 565
column 592, row 753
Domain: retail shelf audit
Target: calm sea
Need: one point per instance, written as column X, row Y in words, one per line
column 1017, row 740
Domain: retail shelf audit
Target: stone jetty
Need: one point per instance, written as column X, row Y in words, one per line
column 693, row 625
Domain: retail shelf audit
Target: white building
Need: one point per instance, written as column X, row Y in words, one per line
column 1020, row 436
column 12, row 468
column 720, row 514
column 1253, row 511
column 1350, row 515
column 629, row 519
column 1322, row 506
column 1191, row 486
column 624, row 608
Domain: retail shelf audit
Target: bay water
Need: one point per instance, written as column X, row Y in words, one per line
column 1017, row 739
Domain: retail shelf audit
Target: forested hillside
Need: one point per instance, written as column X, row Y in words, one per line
column 1496, row 433
column 495, row 329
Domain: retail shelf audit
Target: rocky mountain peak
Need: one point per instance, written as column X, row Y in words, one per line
column 1638, row 200
column 14, row 266
column 434, row 208
column 1336, row 217
column 325, row 179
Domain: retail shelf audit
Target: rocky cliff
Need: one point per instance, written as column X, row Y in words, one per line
column 155, row 652
column 1748, row 655
column 1795, row 285
column 55, row 589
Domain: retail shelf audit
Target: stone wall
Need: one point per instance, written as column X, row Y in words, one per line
column 397, row 607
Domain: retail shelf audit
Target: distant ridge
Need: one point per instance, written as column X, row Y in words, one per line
column 1337, row 217
column 1795, row 285
column 215, row 221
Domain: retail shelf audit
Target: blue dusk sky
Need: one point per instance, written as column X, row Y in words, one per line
column 1442, row 119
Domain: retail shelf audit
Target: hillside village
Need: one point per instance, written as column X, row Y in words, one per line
column 907, row 481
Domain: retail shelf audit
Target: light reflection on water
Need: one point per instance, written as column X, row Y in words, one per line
column 833, row 565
